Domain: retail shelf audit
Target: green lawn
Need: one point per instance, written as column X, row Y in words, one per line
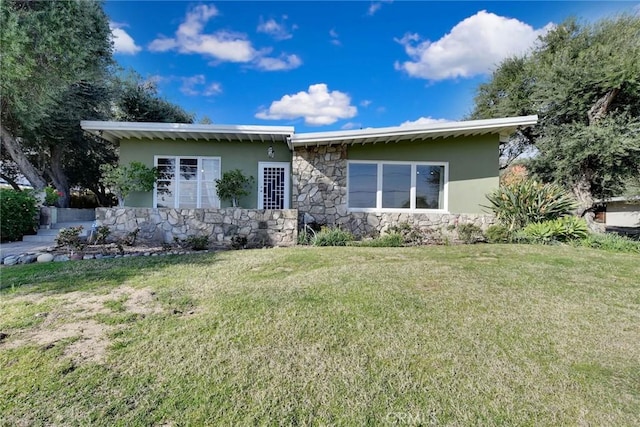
column 449, row 335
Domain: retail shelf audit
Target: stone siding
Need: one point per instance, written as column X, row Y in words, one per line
column 320, row 196
column 320, row 184
column 261, row 227
column 372, row 223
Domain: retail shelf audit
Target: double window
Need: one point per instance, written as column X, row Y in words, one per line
column 186, row 182
column 386, row 185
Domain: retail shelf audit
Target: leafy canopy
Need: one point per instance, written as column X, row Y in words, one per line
column 583, row 81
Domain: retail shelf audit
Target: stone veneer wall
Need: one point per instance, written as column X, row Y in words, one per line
column 320, row 196
column 261, row 227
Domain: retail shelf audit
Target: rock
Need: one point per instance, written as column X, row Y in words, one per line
column 10, row 260
column 87, row 257
column 60, row 258
column 27, row 259
column 45, row 258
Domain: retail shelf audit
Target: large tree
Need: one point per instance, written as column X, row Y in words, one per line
column 584, row 83
column 48, row 48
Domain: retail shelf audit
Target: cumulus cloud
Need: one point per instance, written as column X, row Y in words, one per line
column 222, row 45
column 197, row 85
column 122, row 42
column 317, row 106
column 474, row 46
column 275, row 29
column 366, row 102
column 423, row 121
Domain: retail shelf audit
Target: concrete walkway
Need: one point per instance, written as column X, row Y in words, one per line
column 18, row 248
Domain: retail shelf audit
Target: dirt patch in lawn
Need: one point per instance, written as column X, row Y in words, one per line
column 74, row 319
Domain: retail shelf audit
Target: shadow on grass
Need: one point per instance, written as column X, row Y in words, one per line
column 62, row 277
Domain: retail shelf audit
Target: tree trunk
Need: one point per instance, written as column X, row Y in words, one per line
column 600, row 109
column 582, row 191
column 11, row 182
column 33, row 175
column 59, row 178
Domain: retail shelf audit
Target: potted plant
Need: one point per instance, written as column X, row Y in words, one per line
column 234, row 185
column 49, row 211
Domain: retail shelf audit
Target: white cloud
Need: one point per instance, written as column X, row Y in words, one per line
column 224, row 46
column 376, row 6
column 474, row 46
column 284, row 62
column 351, row 125
column 277, row 30
column 334, row 37
column 122, row 42
column 365, row 103
column 318, row 106
column 196, row 85
column 423, row 121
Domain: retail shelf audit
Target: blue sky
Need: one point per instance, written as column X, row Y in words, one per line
column 322, row 65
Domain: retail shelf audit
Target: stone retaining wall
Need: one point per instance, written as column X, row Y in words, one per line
column 373, row 223
column 261, row 227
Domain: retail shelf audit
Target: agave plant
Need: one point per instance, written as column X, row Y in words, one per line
column 520, row 203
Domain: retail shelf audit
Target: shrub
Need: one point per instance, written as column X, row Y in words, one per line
column 332, row 237
column 521, row 203
column 239, row 242
column 414, row 236
column 130, row 238
column 70, row 238
column 498, row 233
column 101, row 234
column 233, row 185
column 561, row 230
column 470, row 233
column 197, row 243
column 391, row 240
column 18, row 214
column 51, row 196
column 122, row 180
column 609, row 242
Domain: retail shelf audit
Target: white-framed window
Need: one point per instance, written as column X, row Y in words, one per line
column 379, row 185
column 186, row 182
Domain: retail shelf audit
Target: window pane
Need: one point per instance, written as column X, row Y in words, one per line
column 188, row 169
column 188, row 194
column 165, row 195
column 429, row 187
column 210, row 172
column 363, row 185
column 396, row 186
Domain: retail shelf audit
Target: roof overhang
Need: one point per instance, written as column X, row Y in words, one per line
column 504, row 127
column 116, row 131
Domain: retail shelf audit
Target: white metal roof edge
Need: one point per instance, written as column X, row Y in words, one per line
column 486, row 125
column 92, row 125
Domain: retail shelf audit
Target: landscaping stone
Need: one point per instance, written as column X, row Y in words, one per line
column 45, row 258
column 27, row 259
column 10, row 260
column 61, row 258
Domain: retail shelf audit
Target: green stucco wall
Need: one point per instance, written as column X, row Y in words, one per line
column 233, row 155
column 473, row 165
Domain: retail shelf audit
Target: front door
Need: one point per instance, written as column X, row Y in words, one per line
column 273, row 185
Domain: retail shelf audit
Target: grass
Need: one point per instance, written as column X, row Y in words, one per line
column 449, row 335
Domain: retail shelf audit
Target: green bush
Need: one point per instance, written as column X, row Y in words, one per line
column 470, row 233
column 234, row 185
column 70, row 239
column 18, row 214
column 332, row 237
column 391, row 240
column 563, row 229
column 498, row 233
column 609, row 242
column 521, row 203
column 197, row 243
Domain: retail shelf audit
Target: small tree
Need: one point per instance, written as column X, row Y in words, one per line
column 233, row 185
column 122, row 180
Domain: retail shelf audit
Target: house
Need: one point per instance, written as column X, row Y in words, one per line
column 364, row 180
column 622, row 212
